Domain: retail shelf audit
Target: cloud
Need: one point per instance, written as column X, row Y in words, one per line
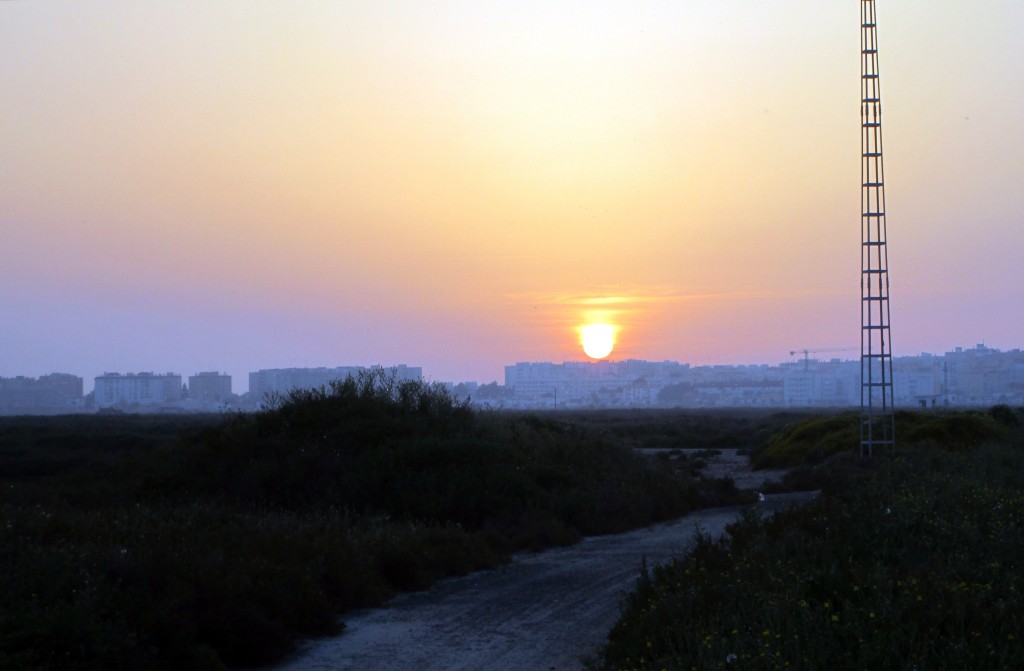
column 617, row 298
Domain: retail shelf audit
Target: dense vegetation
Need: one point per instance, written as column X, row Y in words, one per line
column 812, row 441
column 904, row 562
column 689, row 429
column 173, row 543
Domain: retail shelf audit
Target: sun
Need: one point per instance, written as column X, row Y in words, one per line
column 598, row 340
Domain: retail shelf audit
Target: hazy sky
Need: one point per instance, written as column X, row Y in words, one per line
column 198, row 185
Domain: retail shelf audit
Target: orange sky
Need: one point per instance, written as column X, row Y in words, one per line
column 241, row 185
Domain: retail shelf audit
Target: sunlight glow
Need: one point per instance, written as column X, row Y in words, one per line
column 598, row 340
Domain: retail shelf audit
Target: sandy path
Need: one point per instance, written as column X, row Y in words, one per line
column 542, row 611
column 729, row 462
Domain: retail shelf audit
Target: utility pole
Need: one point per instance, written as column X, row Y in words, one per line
column 877, row 421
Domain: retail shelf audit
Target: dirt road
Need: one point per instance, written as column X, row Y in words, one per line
column 732, row 463
column 542, row 611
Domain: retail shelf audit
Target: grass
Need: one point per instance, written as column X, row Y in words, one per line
column 911, row 562
column 213, row 542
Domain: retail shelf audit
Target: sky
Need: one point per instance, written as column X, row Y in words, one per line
column 228, row 186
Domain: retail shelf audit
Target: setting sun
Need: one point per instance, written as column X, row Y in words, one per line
column 598, row 340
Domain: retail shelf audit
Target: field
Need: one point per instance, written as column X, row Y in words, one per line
column 208, row 542
column 130, row 542
column 910, row 561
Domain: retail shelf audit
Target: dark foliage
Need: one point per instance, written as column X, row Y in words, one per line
column 911, row 562
column 812, row 440
column 31, row 447
column 134, row 542
column 687, row 429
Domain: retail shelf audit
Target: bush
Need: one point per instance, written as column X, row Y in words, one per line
column 811, row 441
column 912, row 564
column 223, row 544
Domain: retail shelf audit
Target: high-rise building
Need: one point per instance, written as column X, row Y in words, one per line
column 283, row 380
column 136, row 388
column 209, row 388
column 54, row 393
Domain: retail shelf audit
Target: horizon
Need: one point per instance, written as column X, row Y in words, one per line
column 235, row 187
column 844, row 354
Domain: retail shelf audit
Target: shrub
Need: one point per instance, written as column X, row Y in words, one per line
column 810, row 441
column 224, row 544
column 916, row 565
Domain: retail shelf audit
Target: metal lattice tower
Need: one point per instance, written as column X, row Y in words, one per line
column 877, row 423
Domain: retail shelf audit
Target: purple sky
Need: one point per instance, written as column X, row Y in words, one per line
column 231, row 186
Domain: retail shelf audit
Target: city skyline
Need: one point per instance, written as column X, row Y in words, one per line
column 977, row 376
column 234, row 186
column 241, row 380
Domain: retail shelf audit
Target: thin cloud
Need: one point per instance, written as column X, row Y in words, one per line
column 613, row 299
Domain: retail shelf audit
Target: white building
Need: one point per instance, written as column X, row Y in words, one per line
column 590, row 384
column 209, row 388
column 136, row 388
column 815, row 383
column 283, row 380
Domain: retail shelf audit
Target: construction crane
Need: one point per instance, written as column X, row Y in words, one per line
column 807, row 352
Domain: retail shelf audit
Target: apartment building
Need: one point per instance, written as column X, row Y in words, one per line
column 113, row 389
column 209, row 388
column 282, row 380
